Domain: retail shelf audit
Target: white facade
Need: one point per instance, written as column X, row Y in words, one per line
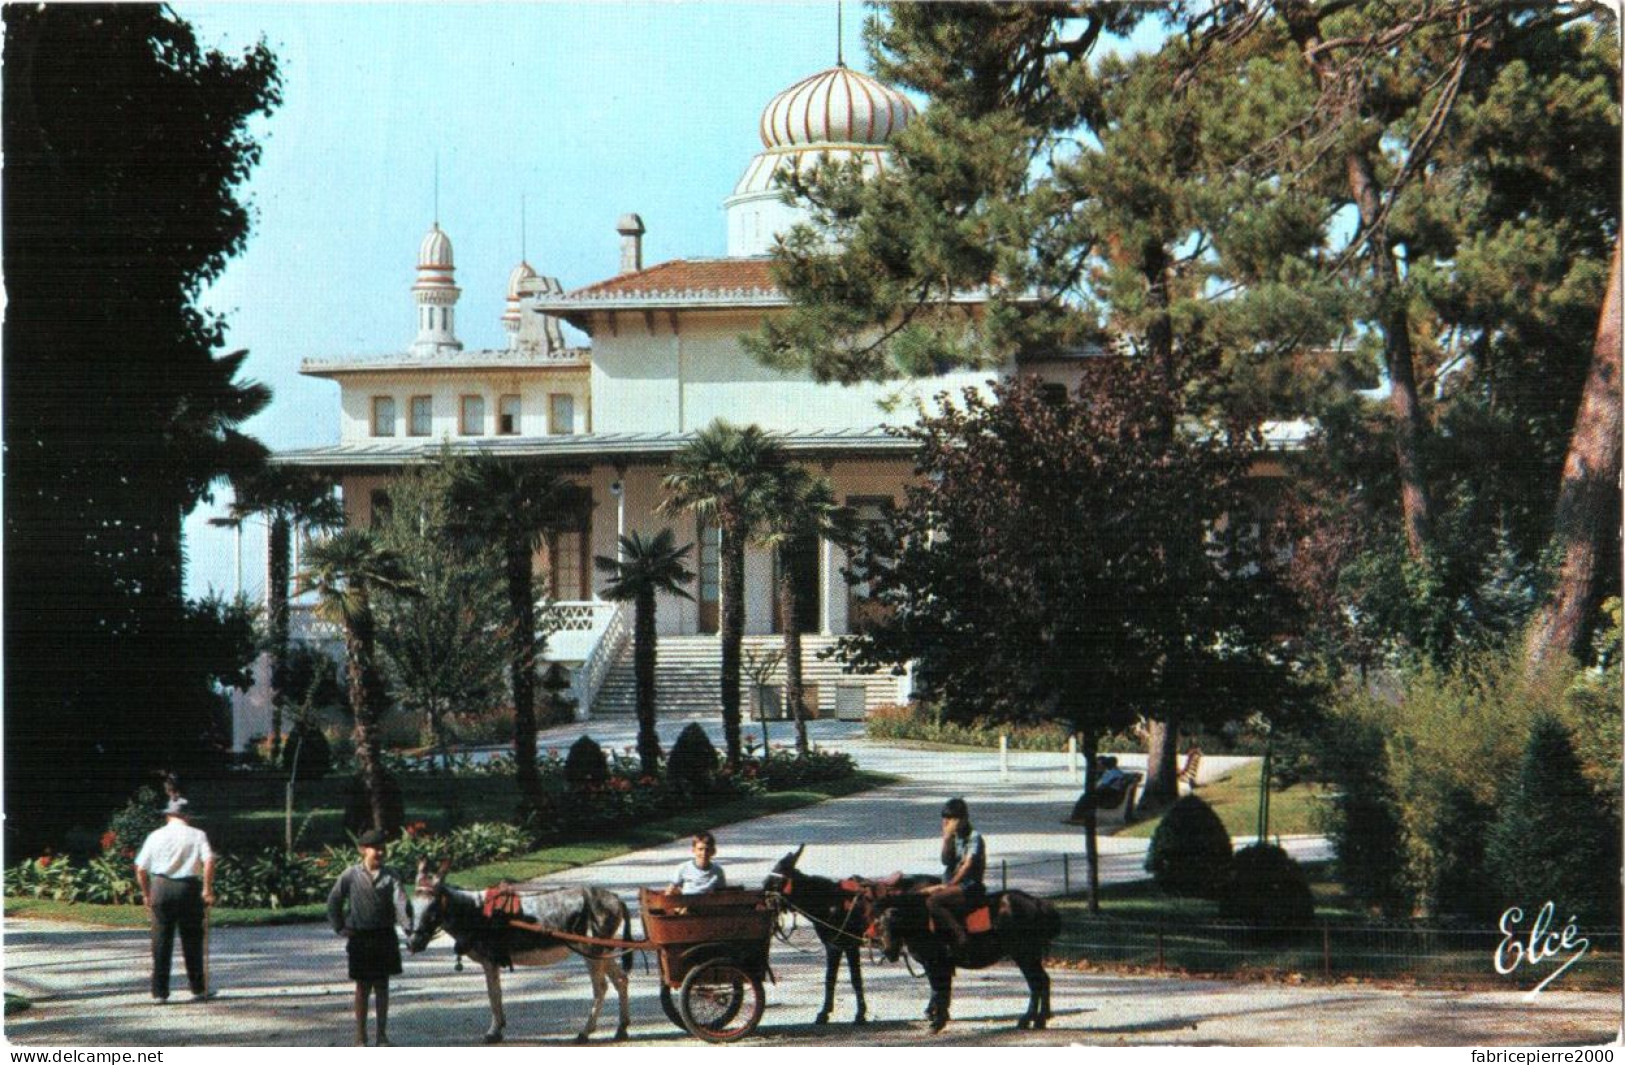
column 666, row 360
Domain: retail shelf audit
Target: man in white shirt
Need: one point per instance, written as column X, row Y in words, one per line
column 175, row 869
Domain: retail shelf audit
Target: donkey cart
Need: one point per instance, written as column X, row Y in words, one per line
column 713, row 955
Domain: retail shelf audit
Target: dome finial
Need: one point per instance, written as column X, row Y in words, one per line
column 840, row 54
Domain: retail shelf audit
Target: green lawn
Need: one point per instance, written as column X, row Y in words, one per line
column 538, row 863
column 1139, row 928
column 1234, row 797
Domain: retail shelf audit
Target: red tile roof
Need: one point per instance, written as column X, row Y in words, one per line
column 686, row 275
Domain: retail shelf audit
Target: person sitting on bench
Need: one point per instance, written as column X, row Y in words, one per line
column 1110, row 790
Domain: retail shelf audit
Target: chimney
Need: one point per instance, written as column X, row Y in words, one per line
column 630, row 227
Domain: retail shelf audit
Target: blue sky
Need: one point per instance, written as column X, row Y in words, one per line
column 587, row 111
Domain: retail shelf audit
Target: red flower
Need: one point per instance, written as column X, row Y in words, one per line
column 127, row 852
column 647, row 782
column 44, row 861
column 416, row 829
column 109, row 840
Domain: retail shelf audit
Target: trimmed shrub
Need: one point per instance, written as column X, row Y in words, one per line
column 129, row 825
column 1553, row 841
column 692, row 761
column 1190, row 852
column 1267, row 887
column 314, row 752
column 585, row 766
column 1366, row 828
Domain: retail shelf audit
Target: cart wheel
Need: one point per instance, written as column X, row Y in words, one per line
column 669, row 1004
column 721, row 1002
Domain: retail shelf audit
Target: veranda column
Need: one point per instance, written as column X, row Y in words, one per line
column 826, row 583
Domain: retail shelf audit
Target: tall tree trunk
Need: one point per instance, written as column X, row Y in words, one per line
column 278, row 564
column 1410, row 428
column 522, row 674
column 1161, row 783
column 644, row 657
column 367, row 704
column 1588, row 505
column 1393, row 316
column 794, row 689
column 732, row 594
column 1161, row 786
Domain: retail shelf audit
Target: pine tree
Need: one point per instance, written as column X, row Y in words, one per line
column 1555, row 841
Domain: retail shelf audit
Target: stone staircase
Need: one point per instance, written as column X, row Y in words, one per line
column 688, row 677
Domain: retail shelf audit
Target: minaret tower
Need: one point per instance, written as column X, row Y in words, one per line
column 435, row 294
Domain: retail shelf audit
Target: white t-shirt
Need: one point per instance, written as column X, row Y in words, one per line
column 177, row 850
column 692, row 880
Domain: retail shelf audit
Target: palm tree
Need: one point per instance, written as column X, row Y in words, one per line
column 801, row 506
column 287, row 498
column 646, row 568
column 724, row 476
column 514, row 507
column 346, row 570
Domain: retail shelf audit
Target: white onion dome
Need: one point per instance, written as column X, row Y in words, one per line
column 521, row 273
column 436, row 267
column 837, row 106
column 835, row 116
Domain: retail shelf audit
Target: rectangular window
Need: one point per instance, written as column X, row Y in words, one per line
column 422, row 416
column 508, row 415
column 561, row 414
column 1053, row 394
column 471, row 416
column 383, row 415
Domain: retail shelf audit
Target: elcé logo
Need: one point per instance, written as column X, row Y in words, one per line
column 1540, row 945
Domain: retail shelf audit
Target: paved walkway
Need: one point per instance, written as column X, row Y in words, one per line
column 895, row 828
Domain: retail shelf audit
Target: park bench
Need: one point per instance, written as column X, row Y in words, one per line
column 1192, row 766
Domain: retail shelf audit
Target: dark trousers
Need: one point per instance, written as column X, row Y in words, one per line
column 176, row 904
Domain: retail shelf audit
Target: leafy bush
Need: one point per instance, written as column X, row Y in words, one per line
column 692, row 761
column 130, row 825
column 586, row 767
column 916, row 721
column 1434, row 760
column 1268, row 887
column 272, row 879
column 1190, row 852
column 45, row 877
column 780, row 772
column 1553, row 841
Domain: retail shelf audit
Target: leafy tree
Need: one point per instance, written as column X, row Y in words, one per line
column 444, row 645
column 1024, row 587
column 125, row 144
column 724, row 475
column 1194, row 202
column 800, row 507
column 288, row 498
column 512, row 507
column 347, row 570
column 646, row 569
column 1553, row 840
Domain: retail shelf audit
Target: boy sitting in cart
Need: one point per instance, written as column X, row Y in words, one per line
column 700, row 875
